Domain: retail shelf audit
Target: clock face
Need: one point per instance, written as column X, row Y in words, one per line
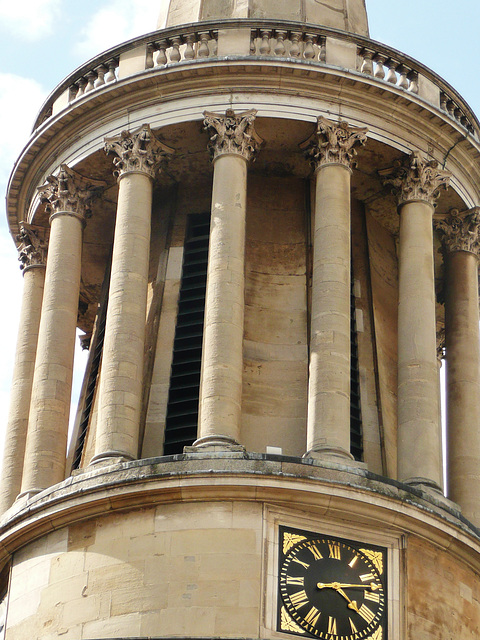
column 331, row 588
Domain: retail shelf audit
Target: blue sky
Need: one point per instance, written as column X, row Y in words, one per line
column 42, row 41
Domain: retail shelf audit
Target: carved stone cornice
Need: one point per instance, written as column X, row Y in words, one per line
column 32, row 248
column 138, row 151
column 70, row 192
column 232, row 133
column 333, row 143
column 460, row 231
column 415, row 179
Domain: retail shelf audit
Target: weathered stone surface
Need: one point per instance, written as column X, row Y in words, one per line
column 347, row 15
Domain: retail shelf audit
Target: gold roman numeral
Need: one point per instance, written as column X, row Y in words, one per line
column 353, row 562
column 334, row 551
column 374, row 597
column 312, row 616
column 366, row 613
column 316, row 553
column 300, row 581
column 332, row 625
column 367, row 577
column 299, row 599
column 353, row 627
column 304, row 564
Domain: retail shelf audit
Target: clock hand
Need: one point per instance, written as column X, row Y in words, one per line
column 335, row 585
column 338, row 588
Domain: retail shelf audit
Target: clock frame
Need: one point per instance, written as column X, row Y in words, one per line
column 331, row 588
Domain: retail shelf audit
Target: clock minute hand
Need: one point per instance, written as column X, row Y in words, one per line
column 336, row 585
column 338, row 588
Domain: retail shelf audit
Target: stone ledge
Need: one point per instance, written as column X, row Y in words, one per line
column 338, row 490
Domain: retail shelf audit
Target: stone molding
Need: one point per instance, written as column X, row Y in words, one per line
column 416, row 179
column 232, row 133
column 334, row 143
column 138, row 151
column 69, row 192
column 32, row 248
column 460, row 231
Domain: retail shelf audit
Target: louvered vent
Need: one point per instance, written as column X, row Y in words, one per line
column 182, row 408
column 356, row 437
column 93, row 369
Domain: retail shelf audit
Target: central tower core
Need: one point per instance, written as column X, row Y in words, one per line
column 345, row 15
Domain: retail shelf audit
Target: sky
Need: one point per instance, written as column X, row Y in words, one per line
column 42, row 41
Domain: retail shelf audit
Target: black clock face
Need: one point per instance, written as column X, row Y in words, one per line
column 331, row 588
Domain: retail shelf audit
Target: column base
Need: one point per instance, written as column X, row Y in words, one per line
column 214, row 443
column 334, row 454
column 433, row 490
column 108, row 458
column 425, row 484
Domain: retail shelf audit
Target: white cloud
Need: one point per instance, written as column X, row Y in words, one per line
column 20, row 100
column 118, row 21
column 29, row 19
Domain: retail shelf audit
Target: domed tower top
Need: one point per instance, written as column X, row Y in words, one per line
column 346, row 15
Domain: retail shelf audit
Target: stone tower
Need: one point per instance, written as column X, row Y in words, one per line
column 266, row 226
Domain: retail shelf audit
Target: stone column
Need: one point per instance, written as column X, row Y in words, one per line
column 461, row 241
column 68, row 196
column 416, row 183
column 331, row 150
column 32, row 254
column 138, row 156
column 233, row 142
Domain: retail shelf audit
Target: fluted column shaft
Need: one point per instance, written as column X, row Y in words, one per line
column 67, row 196
column 418, row 399
column 222, row 358
column 32, row 254
column 329, row 379
column 331, row 150
column 120, row 394
column 123, row 350
column 461, row 241
column 417, row 184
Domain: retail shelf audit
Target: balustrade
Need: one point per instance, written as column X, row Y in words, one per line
column 382, row 67
column 279, row 39
column 190, row 46
column 288, row 44
column 448, row 104
column 102, row 74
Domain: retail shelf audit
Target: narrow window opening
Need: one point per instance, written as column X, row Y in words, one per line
column 182, row 407
column 356, row 436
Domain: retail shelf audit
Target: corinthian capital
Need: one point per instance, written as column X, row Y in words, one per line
column 32, row 248
column 334, row 143
column 232, row 133
column 460, row 231
column 416, row 179
column 69, row 192
column 139, row 151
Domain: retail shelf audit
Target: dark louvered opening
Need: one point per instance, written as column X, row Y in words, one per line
column 93, row 369
column 182, row 408
column 356, row 438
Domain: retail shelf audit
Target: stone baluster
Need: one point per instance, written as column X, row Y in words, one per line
column 331, row 150
column 161, row 58
column 68, row 196
column 32, row 254
column 461, row 242
column 138, row 157
column 416, row 182
column 233, row 142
